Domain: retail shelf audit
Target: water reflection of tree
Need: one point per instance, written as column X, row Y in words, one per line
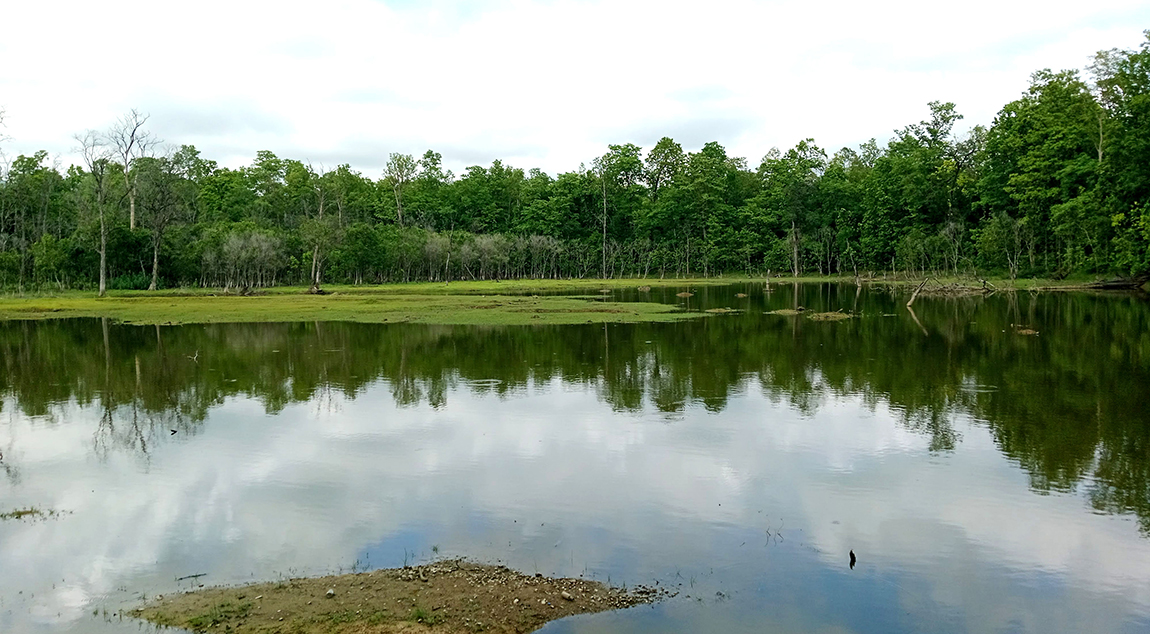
column 1066, row 405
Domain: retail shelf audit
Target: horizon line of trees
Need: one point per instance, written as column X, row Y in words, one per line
column 1058, row 184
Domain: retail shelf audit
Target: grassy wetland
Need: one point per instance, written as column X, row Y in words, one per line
column 506, row 303
column 459, row 303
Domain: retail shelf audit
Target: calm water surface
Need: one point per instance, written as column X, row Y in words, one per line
column 988, row 481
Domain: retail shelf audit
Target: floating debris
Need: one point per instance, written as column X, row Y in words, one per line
column 979, row 388
column 33, row 514
column 835, row 316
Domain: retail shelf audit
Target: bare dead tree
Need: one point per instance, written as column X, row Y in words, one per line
column 321, row 231
column 603, row 247
column 131, row 143
column 3, row 137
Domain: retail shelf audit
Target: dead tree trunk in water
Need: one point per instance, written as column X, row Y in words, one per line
column 916, row 292
column 1137, row 281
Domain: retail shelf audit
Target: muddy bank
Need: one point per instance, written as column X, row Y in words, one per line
column 445, row 596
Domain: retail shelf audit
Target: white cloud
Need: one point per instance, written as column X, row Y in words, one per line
column 544, row 84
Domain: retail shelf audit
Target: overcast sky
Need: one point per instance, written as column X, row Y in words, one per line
column 538, row 84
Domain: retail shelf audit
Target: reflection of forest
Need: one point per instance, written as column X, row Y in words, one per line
column 1068, row 405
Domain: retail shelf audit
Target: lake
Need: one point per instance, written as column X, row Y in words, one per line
column 987, row 480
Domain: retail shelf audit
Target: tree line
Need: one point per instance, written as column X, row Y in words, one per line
column 1058, row 184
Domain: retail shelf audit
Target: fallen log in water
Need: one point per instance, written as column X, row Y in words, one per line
column 1120, row 283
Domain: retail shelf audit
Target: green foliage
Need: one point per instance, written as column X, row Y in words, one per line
column 1132, row 239
column 11, row 265
column 50, row 256
column 1058, row 184
column 132, row 282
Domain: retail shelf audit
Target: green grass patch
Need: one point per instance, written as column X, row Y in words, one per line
column 516, row 302
column 219, row 615
column 371, row 305
column 422, row 615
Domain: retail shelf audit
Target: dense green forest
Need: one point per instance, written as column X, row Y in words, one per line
column 1058, row 184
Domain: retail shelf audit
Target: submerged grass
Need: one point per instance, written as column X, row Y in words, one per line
column 833, row 316
column 813, row 316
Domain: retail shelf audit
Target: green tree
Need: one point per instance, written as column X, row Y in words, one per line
column 400, row 171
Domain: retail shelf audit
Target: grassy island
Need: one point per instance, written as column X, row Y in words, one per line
column 449, row 597
column 457, row 303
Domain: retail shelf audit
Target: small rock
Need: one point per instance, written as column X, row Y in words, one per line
column 567, row 595
column 330, row 592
